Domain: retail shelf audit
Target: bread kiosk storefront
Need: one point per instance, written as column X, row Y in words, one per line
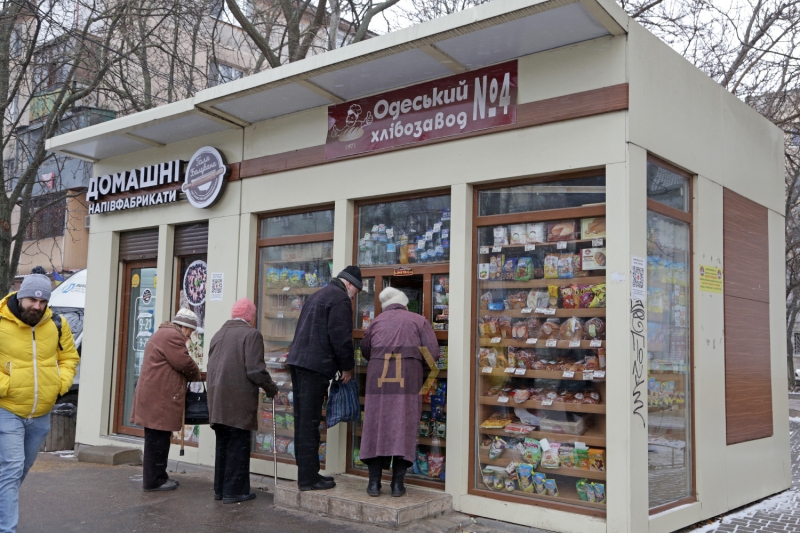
column 592, row 226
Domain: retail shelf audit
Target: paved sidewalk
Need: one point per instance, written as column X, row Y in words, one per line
column 778, row 514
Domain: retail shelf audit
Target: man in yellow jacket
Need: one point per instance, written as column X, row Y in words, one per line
column 37, row 364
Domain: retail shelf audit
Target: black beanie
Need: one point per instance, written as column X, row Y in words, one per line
column 352, row 274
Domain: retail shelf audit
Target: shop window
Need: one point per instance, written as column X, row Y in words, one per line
column 295, row 259
column 404, row 232
column 669, row 336
column 405, row 244
column 539, row 344
column 48, row 217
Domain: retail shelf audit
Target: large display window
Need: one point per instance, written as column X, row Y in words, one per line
column 669, row 335
column 405, row 243
column 539, row 343
column 294, row 261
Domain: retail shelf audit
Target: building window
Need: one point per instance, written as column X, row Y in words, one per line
column 216, row 8
column 48, row 217
column 219, row 73
column 796, row 338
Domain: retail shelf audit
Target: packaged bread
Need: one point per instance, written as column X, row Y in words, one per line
column 500, row 236
column 538, row 298
column 567, row 297
column 533, row 327
column 509, row 267
column 593, row 228
column 536, row 233
column 565, row 270
column 496, row 263
column 550, row 329
column 517, row 234
column 596, row 328
column 518, row 300
column 486, row 299
column 518, row 330
column 504, row 325
column 563, row 230
column 487, row 357
column 572, row 330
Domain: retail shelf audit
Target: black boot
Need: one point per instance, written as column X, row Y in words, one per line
column 374, row 487
column 398, row 474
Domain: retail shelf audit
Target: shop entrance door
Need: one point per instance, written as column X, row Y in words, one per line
column 137, row 319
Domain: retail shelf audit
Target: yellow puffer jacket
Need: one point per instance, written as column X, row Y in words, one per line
column 34, row 370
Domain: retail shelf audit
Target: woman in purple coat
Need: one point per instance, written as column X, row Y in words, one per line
column 393, row 345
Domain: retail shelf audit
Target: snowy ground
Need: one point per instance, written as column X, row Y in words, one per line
column 780, row 513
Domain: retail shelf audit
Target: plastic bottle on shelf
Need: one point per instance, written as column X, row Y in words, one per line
column 368, row 249
column 391, row 247
column 412, row 243
column 403, row 245
column 446, row 234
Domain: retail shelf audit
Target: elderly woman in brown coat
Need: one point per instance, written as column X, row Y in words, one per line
column 160, row 395
column 236, row 370
column 393, row 404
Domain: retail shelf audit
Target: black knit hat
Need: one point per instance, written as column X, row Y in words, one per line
column 352, row 274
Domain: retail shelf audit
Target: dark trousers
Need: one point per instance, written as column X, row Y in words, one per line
column 309, row 389
column 154, row 460
column 232, row 461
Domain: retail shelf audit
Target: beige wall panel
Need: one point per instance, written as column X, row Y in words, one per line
column 45, row 252
column 223, row 256
column 181, row 212
column 99, row 342
column 76, row 239
column 460, row 360
column 283, row 134
column 685, row 514
column 709, row 353
column 682, row 115
column 593, row 142
column 572, row 69
column 529, row 515
column 165, row 270
column 248, row 254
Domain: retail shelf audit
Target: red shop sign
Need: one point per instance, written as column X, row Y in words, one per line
column 475, row 100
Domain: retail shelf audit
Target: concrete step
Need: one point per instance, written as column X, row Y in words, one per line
column 349, row 501
column 110, row 455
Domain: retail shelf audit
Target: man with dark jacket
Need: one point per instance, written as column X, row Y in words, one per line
column 236, row 370
column 323, row 345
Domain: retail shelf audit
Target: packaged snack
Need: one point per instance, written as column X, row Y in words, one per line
column 500, row 235
column 487, row 357
column 267, row 445
column 553, row 296
column 550, row 456
column 567, row 297
column 441, row 428
column 572, row 330
column 565, row 455
column 593, row 259
column 290, row 421
column 577, row 269
column 597, row 459
column 290, row 449
column 538, row 482
column 518, row 300
column 297, row 278
column 535, row 297
column 593, row 228
column 523, row 272
column 580, row 486
column 504, row 324
column 280, row 420
column 518, row 428
column 537, row 268
column 496, row 266
column 536, row 233
column 272, row 278
column 525, row 477
column 497, row 447
column 486, row 299
column 510, row 485
column 508, row 269
column 550, row 329
column 521, row 395
column 599, row 492
column 284, row 279
column 425, row 424
column 496, row 421
column 312, row 279
column 565, row 270
column 282, row 444
column 483, row 271
column 435, row 465
column 437, row 407
column 599, row 300
column 589, row 490
column 496, row 306
column 581, row 458
column 517, row 234
column 551, row 266
column 533, row 452
column 533, row 327
column 596, row 328
column 550, row 487
column 321, row 451
column 564, row 230
column 422, row 463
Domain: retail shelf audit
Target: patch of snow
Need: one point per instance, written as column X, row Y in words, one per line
column 795, row 419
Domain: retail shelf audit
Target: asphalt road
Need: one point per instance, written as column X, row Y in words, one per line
column 61, row 495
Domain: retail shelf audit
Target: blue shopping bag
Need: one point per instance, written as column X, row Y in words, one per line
column 343, row 404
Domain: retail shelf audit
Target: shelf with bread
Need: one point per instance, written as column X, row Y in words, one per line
column 427, row 441
column 596, row 278
column 507, row 401
column 541, row 343
column 596, row 375
column 546, row 313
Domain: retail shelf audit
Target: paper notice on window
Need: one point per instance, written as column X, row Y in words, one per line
column 217, row 284
column 638, row 280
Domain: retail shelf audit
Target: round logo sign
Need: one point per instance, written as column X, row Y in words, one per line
column 205, row 177
column 38, row 294
column 147, row 296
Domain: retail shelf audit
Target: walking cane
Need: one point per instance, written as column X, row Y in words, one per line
column 274, row 446
column 183, row 421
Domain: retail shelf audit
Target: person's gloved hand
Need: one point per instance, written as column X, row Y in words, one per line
column 270, row 389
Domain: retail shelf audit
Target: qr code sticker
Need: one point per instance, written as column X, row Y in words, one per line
column 216, row 286
column 637, row 277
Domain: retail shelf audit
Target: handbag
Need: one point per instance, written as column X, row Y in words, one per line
column 343, row 403
column 196, row 407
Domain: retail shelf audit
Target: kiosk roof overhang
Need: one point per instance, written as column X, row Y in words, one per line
column 474, row 38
